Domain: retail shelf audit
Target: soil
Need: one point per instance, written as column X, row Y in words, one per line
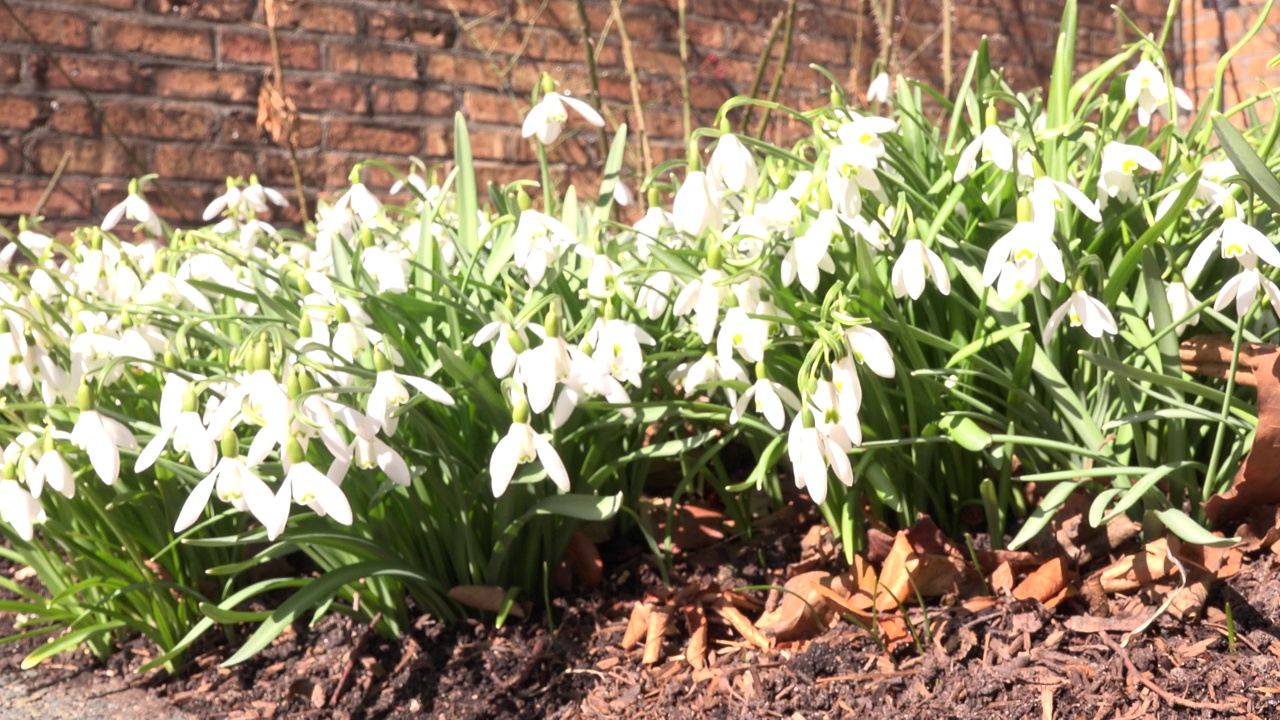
column 1013, row 659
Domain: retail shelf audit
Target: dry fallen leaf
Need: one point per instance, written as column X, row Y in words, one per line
column 658, row 621
column 805, row 611
column 696, row 622
column 584, row 560
column 637, row 625
column 907, row 573
column 693, row 526
column 1131, row 572
column 1048, row 585
column 483, row 597
column 1002, row 579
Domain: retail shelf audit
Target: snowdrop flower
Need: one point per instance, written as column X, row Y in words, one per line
column 227, row 201
column 18, row 508
column 1243, row 288
column 1146, row 86
column 710, row 368
column 369, row 451
column 914, row 265
column 1083, row 311
column 305, row 485
column 540, row 369
column 180, row 422
column 602, row 279
column 538, row 241
column 522, row 445
column 359, row 201
column 769, row 397
column 732, row 166
column 1119, row 164
column 1181, row 301
column 992, row 145
column 616, row 348
column 649, row 228
column 37, row 243
column 388, row 269
column 509, row 344
column 548, row 117
column 807, row 257
column 870, row 348
column 134, row 207
column 703, row 297
column 878, row 90
column 235, row 484
column 52, row 470
column 415, row 181
column 1235, row 239
column 352, row 335
column 820, row 438
column 100, row 437
column 655, row 293
column 389, row 393
column 743, row 333
column 697, row 206
column 1018, row 257
column 860, row 137
column 256, row 196
column 850, row 171
column 1049, row 195
column 622, row 194
column 1208, row 194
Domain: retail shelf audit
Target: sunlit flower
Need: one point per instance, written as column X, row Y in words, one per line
column 101, row 438
column 134, row 207
column 992, row 145
column 1083, row 311
column 697, row 206
column 704, row 297
column 1146, row 86
column 807, row 257
column 548, row 117
column 1181, row 301
column 1243, row 288
column 1120, row 163
column 871, row 349
column 1235, row 239
column 236, row 484
column 389, row 393
column 18, row 508
column 915, row 264
column 732, row 166
column 538, row 242
column 878, row 89
column 655, row 294
column 522, row 445
column 305, row 485
column 743, row 333
column 509, row 342
column 769, row 397
column 541, row 368
column 1020, row 255
column 180, row 422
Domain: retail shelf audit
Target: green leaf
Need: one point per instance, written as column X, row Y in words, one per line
column 70, row 641
column 1188, row 530
column 1247, row 162
column 1043, row 514
column 965, row 432
column 468, row 203
column 231, row 617
column 612, row 168
column 1142, row 487
column 589, row 508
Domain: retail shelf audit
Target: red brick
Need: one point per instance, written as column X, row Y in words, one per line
column 241, row 128
column 111, row 4
column 19, row 197
column 46, row 27
column 166, row 121
column 200, row 162
column 86, row 157
column 222, row 85
column 433, row 31
column 411, row 100
column 10, row 157
column 254, row 48
column 486, row 107
column 20, row 113
column 10, row 68
column 73, row 117
column 87, row 73
column 322, row 94
column 317, row 17
column 366, row 60
column 217, row 10
column 163, row 40
column 402, row 140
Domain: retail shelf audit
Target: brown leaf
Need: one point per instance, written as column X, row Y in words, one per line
column 584, row 560
column 1047, row 583
column 804, row 612
column 1260, row 529
column 696, row 622
column 907, row 572
column 637, row 626
column 693, row 526
column 1002, row 579
column 659, row 618
column 1140, row 569
column 1258, row 480
column 735, row 618
column 483, row 597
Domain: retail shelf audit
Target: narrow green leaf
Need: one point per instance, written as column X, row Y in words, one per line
column 468, row 203
column 1189, row 530
column 1247, row 162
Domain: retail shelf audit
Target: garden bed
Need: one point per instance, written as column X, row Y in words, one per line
column 1014, row 659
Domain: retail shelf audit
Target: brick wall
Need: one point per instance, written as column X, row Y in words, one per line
column 123, row 87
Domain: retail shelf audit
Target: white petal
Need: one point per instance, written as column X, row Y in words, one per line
column 551, row 462
column 196, row 501
column 503, row 462
column 587, row 112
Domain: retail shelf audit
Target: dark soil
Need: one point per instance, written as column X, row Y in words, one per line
column 1012, row 660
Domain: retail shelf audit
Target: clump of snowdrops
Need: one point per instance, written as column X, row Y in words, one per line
column 921, row 306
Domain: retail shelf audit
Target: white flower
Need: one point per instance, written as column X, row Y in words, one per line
column 551, row 113
column 743, row 333
column 519, row 446
column 871, row 349
column 622, row 194
column 697, row 206
column 1019, row 256
column 616, row 348
column 503, row 358
column 102, row 438
column 20, row 509
column 991, row 145
column 387, row 269
column 914, row 265
column 235, row 484
column 860, row 137
column 807, row 257
column 710, row 368
column 813, row 446
column 1181, row 301
column 369, row 451
column 1048, row 196
column 227, row 201
column 180, row 422
column 850, row 170
column 52, row 470
column 769, row 397
column 135, row 208
column 703, row 297
column 878, row 90
column 415, row 181
column 1083, row 311
column 732, row 165
column 540, row 369
column 648, row 228
column 538, row 241
column 389, row 393
column 305, row 485
column 1208, row 194
column 1236, row 239
column 1243, row 288
column 1119, row 164
column 257, row 196
column 1146, row 86
column 655, row 293
column 360, row 201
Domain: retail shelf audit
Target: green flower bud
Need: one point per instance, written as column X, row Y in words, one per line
column 806, row 418
column 366, row 236
column 230, row 445
column 1025, row 211
column 84, row 398
column 10, row 471
column 380, row 362
column 1229, row 209
column 304, row 326
column 261, row 354
column 715, row 256
column 170, row 359
column 133, row 186
column 292, row 385
column 520, row 412
column 189, row 403
column 305, row 381
column 992, row 117
column 761, row 373
column 654, row 197
column 695, row 157
column 824, row 198
column 547, row 84
column 293, row 449
column 552, row 322
column 354, row 176
column 341, row 314
column 4, row 324
column 516, row 342
column 523, row 201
